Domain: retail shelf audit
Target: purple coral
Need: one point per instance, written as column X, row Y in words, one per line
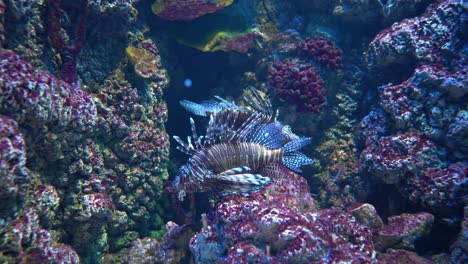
column 187, row 9
column 298, row 83
column 30, row 243
column 430, row 38
column 323, row 50
column 440, row 189
column 278, row 225
column 403, row 230
column 14, row 176
column 58, row 39
column 393, row 157
column 35, row 98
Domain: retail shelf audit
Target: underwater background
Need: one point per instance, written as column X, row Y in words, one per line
column 89, row 103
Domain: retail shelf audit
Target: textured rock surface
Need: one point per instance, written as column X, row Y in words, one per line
column 279, row 225
column 14, row 176
column 430, row 38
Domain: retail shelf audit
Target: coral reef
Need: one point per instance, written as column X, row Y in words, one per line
column 323, row 50
column 171, row 250
column 419, row 146
column 134, row 153
column 36, row 98
column 72, row 137
column 230, row 41
column 57, row 38
column 144, row 58
column 403, row 230
column 279, row 225
column 430, row 38
column 14, row 176
column 84, row 153
column 393, row 157
column 187, row 10
column 26, row 30
column 429, row 105
column 440, row 189
column 25, row 239
column 107, row 37
column 2, row 23
column 297, row 83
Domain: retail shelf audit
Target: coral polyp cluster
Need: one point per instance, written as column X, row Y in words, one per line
column 297, row 83
column 323, row 50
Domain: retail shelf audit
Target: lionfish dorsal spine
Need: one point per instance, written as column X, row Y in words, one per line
column 210, row 131
column 257, row 103
column 184, row 147
column 197, row 139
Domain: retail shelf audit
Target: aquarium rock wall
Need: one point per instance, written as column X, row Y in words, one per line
column 89, row 102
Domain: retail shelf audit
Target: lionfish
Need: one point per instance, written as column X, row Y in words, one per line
column 239, row 143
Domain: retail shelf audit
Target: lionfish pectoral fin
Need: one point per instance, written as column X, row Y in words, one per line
column 244, row 180
column 238, row 170
column 241, row 183
column 240, row 189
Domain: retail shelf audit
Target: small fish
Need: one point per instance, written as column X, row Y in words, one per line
column 239, row 142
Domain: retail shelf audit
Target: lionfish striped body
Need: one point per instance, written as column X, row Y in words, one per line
column 225, row 156
column 239, row 142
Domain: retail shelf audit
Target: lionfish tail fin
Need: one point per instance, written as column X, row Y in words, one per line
column 293, row 159
column 296, row 144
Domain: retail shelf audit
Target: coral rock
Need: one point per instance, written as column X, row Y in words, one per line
column 395, row 156
column 430, row 38
column 187, row 9
column 440, row 189
column 171, row 250
column 31, row 243
column 366, row 215
column 144, row 58
column 401, row 256
column 33, row 97
column 14, row 176
column 403, row 230
column 47, row 201
column 277, row 226
column 227, row 41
